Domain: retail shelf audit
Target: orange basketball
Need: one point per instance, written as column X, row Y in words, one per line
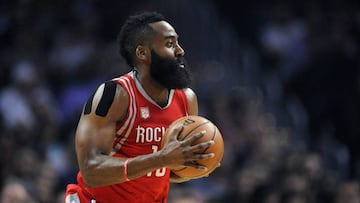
column 193, row 125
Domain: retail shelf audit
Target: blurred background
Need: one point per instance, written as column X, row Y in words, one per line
column 279, row 78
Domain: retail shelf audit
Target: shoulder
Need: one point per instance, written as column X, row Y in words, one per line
column 190, row 94
column 192, row 101
column 111, row 91
column 110, row 100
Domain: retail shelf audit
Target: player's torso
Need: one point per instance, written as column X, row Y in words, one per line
column 142, row 130
column 141, row 133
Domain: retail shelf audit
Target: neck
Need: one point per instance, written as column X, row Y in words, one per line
column 157, row 92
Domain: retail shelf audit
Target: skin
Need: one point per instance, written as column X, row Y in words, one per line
column 95, row 134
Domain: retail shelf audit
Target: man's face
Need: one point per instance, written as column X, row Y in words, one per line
column 172, row 73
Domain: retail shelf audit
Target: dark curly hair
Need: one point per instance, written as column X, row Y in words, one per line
column 135, row 31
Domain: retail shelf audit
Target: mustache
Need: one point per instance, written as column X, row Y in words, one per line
column 181, row 60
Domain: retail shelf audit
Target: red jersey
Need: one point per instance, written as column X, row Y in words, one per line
column 140, row 133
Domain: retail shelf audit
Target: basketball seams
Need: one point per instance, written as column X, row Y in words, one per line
column 215, row 130
column 193, row 129
column 177, row 170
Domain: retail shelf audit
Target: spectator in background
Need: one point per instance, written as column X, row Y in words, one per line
column 348, row 192
column 294, row 197
column 14, row 192
column 27, row 105
column 185, row 195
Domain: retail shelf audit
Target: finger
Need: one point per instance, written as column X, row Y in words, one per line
column 176, row 132
column 201, row 146
column 202, row 156
column 194, row 156
column 191, row 139
column 194, row 164
column 190, row 152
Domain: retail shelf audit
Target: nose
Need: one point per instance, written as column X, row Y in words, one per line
column 179, row 51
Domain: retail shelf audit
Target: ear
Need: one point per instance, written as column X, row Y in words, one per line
column 142, row 52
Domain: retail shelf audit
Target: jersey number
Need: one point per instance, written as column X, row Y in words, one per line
column 158, row 172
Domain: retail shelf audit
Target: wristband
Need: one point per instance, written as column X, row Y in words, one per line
column 125, row 169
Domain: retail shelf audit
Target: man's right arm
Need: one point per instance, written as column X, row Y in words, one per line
column 95, row 136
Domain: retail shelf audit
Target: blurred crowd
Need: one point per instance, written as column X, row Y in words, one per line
column 280, row 79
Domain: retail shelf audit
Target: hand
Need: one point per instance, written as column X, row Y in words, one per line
column 177, row 153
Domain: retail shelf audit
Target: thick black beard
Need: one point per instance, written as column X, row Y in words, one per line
column 168, row 73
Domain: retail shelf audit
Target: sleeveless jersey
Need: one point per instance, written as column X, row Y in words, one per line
column 141, row 133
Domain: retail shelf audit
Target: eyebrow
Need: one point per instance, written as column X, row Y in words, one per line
column 172, row 37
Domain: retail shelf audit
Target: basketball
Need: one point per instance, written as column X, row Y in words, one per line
column 193, row 125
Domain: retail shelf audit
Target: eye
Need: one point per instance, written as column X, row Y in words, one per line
column 170, row 43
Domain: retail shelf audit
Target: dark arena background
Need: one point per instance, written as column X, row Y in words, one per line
column 279, row 78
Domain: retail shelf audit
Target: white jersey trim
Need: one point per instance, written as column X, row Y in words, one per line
column 129, row 122
column 147, row 97
column 72, row 198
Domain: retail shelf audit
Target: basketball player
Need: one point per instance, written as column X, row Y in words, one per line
column 118, row 138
